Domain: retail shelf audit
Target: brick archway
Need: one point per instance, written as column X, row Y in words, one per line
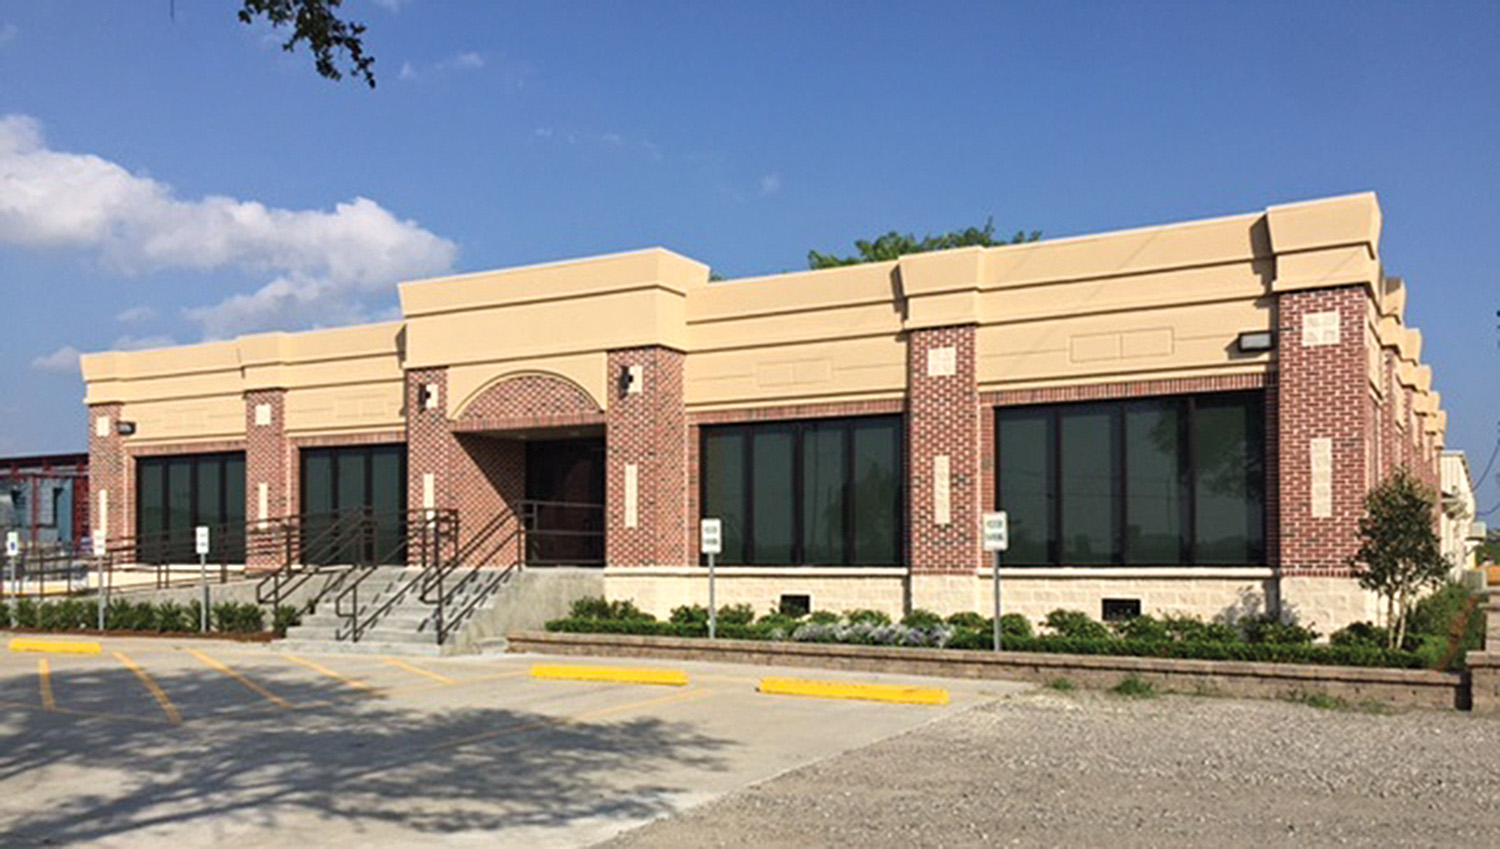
column 528, row 400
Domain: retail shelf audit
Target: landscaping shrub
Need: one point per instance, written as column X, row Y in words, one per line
column 4, row 615
column 1012, row 625
column 971, row 620
column 1436, row 615
column 778, row 622
column 285, row 618
column 598, row 608
column 232, row 617
column 920, row 618
column 26, row 613
column 1270, row 629
column 1191, row 629
column 824, row 617
column 736, row 614
column 687, row 614
column 1363, row 634
column 867, row 617
column 1076, row 624
column 1145, row 627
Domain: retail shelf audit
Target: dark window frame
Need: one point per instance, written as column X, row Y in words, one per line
column 168, row 543
column 1187, row 454
column 367, row 452
column 849, row 425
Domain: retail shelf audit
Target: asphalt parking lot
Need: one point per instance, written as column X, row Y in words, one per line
column 206, row 743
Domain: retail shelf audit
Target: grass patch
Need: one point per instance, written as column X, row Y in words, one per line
column 1062, row 685
column 1134, row 687
column 1321, row 701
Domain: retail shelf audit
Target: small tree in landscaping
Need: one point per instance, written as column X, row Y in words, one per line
column 1399, row 553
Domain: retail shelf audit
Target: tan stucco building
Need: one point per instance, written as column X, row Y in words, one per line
column 1182, row 417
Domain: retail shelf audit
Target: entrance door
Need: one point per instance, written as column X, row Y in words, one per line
column 564, row 508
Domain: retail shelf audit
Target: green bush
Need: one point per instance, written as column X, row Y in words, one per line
column 597, row 607
column 285, row 618
column 867, row 617
column 824, row 617
column 1439, row 614
column 776, row 620
column 971, row 620
column 1012, row 625
column 1191, row 629
column 177, row 618
column 688, row 614
column 920, row 618
column 1145, row 627
column 1270, row 629
column 4, row 615
column 1076, row 624
column 232, row 617
column 736, row 614
column 1365, row 634
column 26, row 613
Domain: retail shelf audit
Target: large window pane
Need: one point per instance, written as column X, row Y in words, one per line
column 877, row 493
column 1228, row 475
column 1088, row 479
column 1024, row 458
column 1154, row 501
column 823, row 495
column 176, row 494
column 387, row 499
column 822, row 492
column 724, row 490
column 771, row 484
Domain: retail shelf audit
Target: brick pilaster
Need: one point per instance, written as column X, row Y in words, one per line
column 107, row 474
column 1323, row 417
column 269, row 468
column 430, row 445
column 647, row 430
column 943, row 421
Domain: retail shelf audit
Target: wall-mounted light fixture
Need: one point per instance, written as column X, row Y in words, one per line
column 426, row 398
column 1255, row 341
column 631, row 378
column 125, row 428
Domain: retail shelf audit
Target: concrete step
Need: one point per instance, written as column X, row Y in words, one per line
column 364, row 646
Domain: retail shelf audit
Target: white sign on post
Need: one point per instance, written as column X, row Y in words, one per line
column 200, row 539
column 996, row 531
column 99, row 544
column 711, row 536
column 13, row 544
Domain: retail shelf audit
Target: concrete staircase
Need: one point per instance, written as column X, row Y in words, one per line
column 406, row 625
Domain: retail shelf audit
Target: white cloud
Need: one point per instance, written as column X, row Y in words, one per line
column 770, row 184
column 136, row 315
column 64, row 359
column 323, row 263
column 457, row 63
column 390, row 5
column 141, row 343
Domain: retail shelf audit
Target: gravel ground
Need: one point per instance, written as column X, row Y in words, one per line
column 1091, row 769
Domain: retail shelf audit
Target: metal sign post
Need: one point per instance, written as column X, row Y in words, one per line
column 12, row 553
column 996, row 539
column 200, row 542
column 99, row 551
column 711, row 542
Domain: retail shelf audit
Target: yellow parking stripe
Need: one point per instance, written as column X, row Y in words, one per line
column 852, row 690
column 161, row 697
column 318, row 667
column 251, row 685
column 611, row 674
column 44, row 681
column 401, row 664
column 55, row 646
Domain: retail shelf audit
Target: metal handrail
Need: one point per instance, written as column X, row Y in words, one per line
column 531, row 513
column 434, row 528
column 295, row 568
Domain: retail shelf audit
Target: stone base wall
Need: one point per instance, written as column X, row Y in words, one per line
column 658, row 590
column 1328, row 604
column 1325, row 603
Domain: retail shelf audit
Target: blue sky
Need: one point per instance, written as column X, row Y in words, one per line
column 184, row 178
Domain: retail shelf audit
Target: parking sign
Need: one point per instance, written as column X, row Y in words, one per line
column 200, row 539
column 996, row 531
column 13, row 544
column 711, row 536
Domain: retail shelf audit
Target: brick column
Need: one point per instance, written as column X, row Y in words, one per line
column 646, row 477
column 106, row 508
column 1323, row 418
column 269, row 493
column 943, row 467
column 430, row 445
